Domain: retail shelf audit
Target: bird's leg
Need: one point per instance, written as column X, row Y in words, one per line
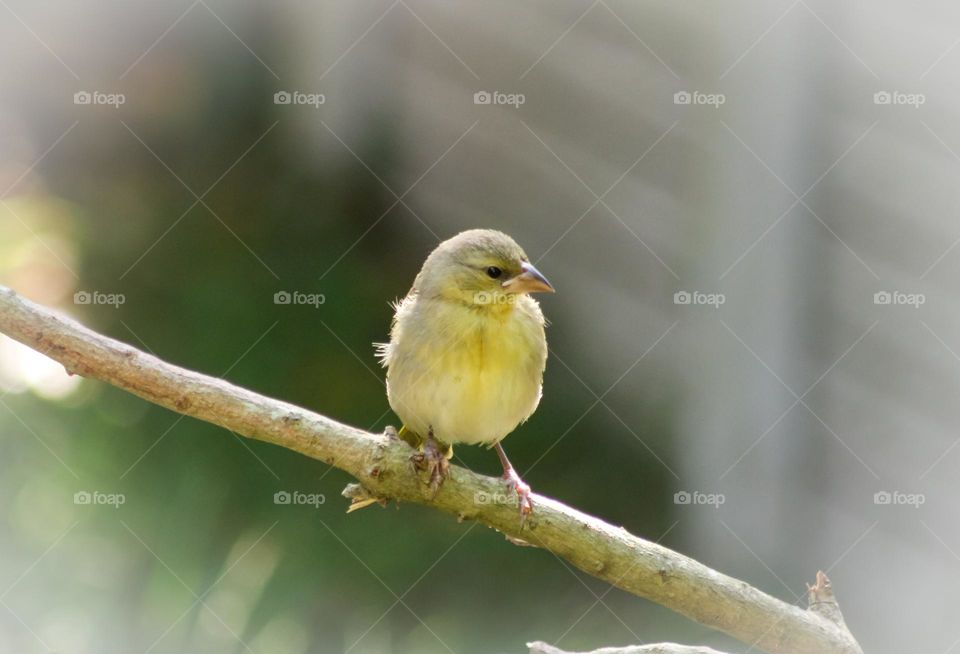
column 515, row 483
column 412, row 439
column 433, row 459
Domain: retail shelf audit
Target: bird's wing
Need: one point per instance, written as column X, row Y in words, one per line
column 384, row 351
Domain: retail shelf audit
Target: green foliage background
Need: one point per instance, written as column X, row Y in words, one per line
column 199, row 510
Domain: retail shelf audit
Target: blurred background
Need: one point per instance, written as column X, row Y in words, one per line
column 749, row 211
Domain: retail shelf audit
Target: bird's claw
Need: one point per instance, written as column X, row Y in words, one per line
column 434, row 462
column 522, row 489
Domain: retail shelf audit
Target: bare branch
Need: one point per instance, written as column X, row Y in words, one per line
column 820, row 599
column 658, row 648
column 381, row 464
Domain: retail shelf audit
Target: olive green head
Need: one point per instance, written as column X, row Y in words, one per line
column 479, row 266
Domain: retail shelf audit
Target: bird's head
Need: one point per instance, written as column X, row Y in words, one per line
column 480, row 267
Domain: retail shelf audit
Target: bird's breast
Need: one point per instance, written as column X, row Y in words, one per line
column 471, row 375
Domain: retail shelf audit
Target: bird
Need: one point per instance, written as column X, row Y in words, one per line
column 467, row 352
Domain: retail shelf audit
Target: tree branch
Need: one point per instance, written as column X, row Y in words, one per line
column 659, row 648
column 381, row 464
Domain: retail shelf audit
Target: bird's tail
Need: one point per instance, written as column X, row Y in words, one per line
column 414, row 439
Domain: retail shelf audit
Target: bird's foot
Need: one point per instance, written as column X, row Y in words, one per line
column 515, row 483
column 433, row 460
column 522, row 489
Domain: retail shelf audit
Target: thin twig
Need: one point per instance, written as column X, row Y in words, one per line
column 657, row 648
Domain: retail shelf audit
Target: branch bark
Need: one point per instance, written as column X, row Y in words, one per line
column 658, row 648
column 381, row 465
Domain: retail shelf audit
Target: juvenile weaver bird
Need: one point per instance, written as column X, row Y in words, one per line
column 467, row 352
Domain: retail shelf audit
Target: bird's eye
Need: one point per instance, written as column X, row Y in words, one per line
column 494, row 272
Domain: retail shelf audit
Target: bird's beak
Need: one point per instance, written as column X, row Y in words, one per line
column 529, row 281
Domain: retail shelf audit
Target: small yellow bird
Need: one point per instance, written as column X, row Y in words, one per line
column 467, row 351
